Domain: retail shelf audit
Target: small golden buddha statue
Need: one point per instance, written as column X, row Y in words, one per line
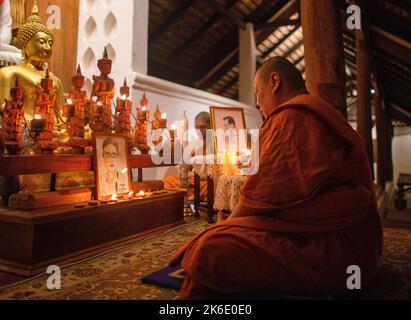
column 142, row 124
column 13, row 120
column 44, row 107
column 74, row 110
column 37, row 43
column 102, row 94
column 122, row 117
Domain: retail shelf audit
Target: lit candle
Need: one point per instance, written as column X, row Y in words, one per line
column 68, row 108
column 129, row 196
column 141, row 194
column 172, row 132
column 94, row 99
column 163, row 121
column 113, row 198
column 98, row 108
column 37, row 124
column 124, row 97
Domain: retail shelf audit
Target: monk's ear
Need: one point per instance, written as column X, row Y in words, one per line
column 275, row 81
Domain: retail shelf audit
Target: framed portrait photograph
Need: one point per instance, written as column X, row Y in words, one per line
column 111, row 167
column 229, row 126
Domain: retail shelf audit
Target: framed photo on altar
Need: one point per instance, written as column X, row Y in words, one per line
column 229, row 126
column 111, row 166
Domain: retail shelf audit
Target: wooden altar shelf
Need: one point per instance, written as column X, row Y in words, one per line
column 42, row 164
column 31, row 241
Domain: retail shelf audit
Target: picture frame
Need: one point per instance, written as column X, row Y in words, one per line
column 226, row 119
column 111, row 165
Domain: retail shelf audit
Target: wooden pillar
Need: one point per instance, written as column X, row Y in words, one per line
column 390, row 134
column 382, row 138
column 247, row 65
column 324, row 52
column 364, row 121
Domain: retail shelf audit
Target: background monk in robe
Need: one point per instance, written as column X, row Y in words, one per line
column 307, row 214
column 202, row 123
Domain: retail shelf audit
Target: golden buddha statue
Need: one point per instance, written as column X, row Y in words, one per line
column 36, row 42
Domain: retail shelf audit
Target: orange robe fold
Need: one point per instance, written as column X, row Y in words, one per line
column 306, row 216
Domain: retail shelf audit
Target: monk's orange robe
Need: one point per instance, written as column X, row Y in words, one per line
column 302, row 220
column 171, row 182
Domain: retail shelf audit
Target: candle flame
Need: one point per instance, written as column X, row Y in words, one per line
column 124, row 170
column 124, row 97
column 141, row 193
column 144, row 109
column 99, row 103
column 164, row 116
column 173, row 127
column 131, row 193
column 69, row 101
column 114, row 197
column 37, row 116
column 94, row 99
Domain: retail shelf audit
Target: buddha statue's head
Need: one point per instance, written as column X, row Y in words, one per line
column 104, row 64
column 46, row 83
column 16, row 92
column 125, row 89
column 36, row 40
column 78, row 79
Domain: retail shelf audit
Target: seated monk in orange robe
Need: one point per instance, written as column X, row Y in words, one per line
column 202, row 123
column 307, row 214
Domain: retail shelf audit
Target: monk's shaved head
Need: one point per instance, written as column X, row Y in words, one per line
column 203, row 117
column 203, row 123
column 275, row 82
column 287, row 71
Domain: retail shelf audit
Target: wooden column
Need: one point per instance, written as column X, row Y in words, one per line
column 247, row 65
column 323, row 51
column 382, row 137
column 364, row 121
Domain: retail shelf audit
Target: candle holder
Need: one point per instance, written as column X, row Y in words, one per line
column 172, row 133
column 37, row 125
column 68, row 109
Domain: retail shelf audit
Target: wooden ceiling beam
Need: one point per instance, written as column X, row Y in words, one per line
column 228, row 85
column 282, row 40
column 183, row 6
column 234, row 80
column 276, row 24
column 228, row 13
column 227, row 48
column 284, row 13
column 200, row 32
column 388, row 42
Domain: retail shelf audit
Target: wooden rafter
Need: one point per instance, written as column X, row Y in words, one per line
column 183, row 6
column 200, row 32
column 228, row 13
column 228, row 46
column 276, row 24
column 282, row 40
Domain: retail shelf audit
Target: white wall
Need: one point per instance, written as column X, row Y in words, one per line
column 401, row 152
